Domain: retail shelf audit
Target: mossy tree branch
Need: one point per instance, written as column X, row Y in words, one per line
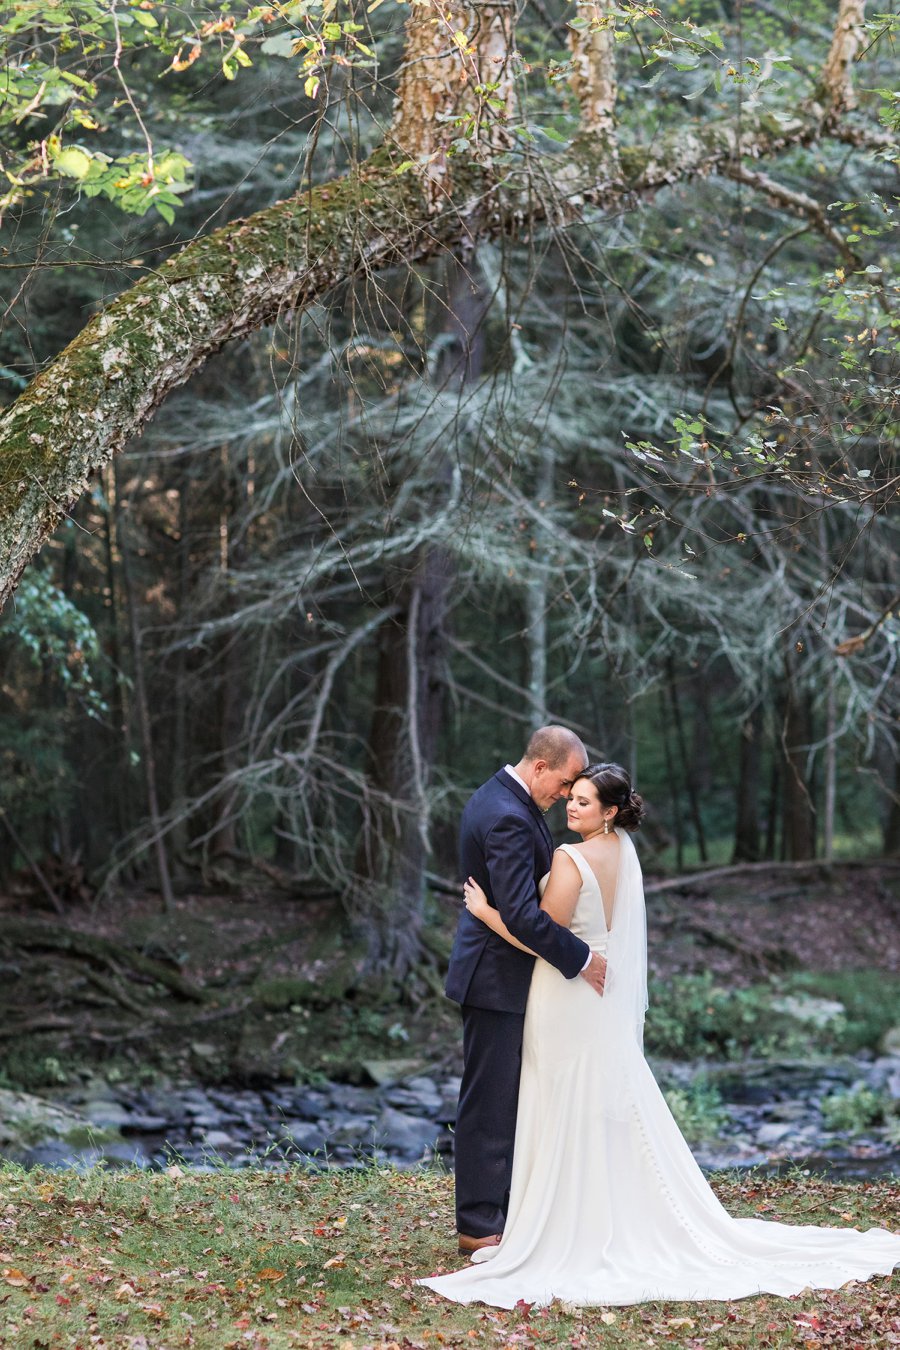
column 103, row 388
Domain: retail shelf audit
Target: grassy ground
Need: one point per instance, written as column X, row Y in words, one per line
column 268, row 1261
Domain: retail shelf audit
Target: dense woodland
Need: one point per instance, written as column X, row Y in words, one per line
column 615, row 448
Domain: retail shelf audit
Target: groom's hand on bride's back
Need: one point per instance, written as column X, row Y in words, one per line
column 595, row 972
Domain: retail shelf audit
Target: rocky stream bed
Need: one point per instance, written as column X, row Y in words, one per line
column 768, row 1115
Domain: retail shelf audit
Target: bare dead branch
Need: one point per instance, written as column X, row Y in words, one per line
column 799, row 203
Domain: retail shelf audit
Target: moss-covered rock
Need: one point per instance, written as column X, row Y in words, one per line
column 26, row 1121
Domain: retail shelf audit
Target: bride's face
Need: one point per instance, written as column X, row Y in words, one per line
column 585, row 813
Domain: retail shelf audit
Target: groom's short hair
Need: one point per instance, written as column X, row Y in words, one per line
column 554, row 744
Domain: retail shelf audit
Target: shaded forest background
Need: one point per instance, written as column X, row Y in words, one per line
column 630, row 471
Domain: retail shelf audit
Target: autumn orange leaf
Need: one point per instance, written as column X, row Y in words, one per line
column 15, row 1277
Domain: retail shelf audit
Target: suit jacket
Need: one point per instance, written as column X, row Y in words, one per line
column 506, row 846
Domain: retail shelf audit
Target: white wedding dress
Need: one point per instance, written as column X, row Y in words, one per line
column 607, row 1204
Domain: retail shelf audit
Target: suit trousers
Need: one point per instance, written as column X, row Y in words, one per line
column 486, row 1118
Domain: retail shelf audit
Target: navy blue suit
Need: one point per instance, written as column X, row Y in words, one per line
column 506, row 846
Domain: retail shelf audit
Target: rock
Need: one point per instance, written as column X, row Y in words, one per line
column 804, row 1008
column 162, row 1102
column 106, row 1113
column 27, row 1122
column 204, row 1050
column 210, row 1119
column 307, row 1103
column 344, row 1130
column 218, row 1139
column 302, row 1134
column 426, row 1086
column 407, row 1136
column 195, row 1102
column 790, row 1110
column 140, row 1122
column 384, row 1071
column 124, row 1154
column 890, row 1042
column 417, row 1102
column 349, row 1098
column 772, row 1134
column 54, row 1153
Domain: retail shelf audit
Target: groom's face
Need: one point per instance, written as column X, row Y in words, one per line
column 548, row 785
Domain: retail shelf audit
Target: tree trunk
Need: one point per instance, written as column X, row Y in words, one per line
column 746, row 831
column 830, row 769
column 773, row 809
column 536, row 602
column 664, row 703
column 223, row 839
column 121, row 731
column 394, row 841
column 892, row 819
column 148, row 754
column 179, row 749
column 796, row 736
column 687, row 769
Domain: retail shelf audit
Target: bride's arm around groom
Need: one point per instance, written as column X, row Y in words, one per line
column 506, row 847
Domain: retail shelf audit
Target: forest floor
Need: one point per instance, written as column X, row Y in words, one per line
column 259, row 1260
column 259, row 984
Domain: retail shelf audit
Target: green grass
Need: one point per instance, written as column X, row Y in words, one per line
column 268, row 1260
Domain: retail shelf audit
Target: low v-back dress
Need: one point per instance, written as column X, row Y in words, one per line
column 607, row 1205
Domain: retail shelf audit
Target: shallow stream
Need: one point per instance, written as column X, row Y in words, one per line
column 755, row 1114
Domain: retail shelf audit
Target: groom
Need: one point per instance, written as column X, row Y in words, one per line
column 506, row 846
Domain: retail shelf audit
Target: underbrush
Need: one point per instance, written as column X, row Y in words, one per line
column 693, row 1017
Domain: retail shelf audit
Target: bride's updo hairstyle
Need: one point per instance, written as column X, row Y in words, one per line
column 614, row 789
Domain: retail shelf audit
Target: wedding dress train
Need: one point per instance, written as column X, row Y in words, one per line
column 607, row 1205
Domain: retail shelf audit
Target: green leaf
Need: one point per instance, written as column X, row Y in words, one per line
column 282, row 44
column 73, row 163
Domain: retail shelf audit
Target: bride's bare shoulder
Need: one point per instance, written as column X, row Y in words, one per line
column 563, row 856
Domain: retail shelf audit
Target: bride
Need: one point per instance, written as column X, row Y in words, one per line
column 607, row 1204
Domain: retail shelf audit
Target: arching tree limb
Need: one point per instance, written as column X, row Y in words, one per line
column 103, row 388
